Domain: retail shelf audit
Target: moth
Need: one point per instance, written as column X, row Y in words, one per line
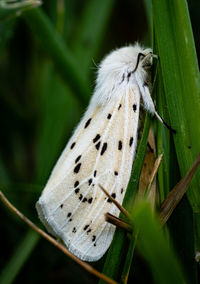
column 100, row 151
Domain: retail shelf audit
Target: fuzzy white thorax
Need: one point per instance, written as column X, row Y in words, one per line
column 113, row 71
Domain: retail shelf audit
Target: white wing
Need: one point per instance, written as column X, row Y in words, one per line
column 101, row 150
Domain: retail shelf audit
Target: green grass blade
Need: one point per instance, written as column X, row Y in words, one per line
column 181, row 80
column 128, row 260
column 154, row 247
column 63, row 59
column 18, row 259
column 57, row 106
column 92, row 28
column 180, row 225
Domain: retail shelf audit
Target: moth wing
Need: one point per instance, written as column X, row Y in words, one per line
column 101, row 151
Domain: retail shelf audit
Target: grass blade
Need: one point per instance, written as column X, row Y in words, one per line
column 155, row 247
column 181, row 80
column 12, row 268
column 92, row 27
column 62, row 57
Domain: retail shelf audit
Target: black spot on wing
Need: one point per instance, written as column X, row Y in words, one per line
column 84, row 199
column 131, row 141
column 96, row 138
column 77, row 168
column 80, row 196
column 95, row 173
column 113, row 195
column 134, row 107
column 90, row 200
column 116, row 173
column 104, row 148
column 61, row 205
column 74, row 230
column 122, row 190
column 119, row 106
column 69, row 214
column 87, row 123
column 98, row 145
column 76, row 183
column 93, row 238
column 109, row 116
column 119, row 145
column 73, row 144
column 77, row 159
column 86, row 227
column 88, row 231
column 77, row 190
column 90, row 181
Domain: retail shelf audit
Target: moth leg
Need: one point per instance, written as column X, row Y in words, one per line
column 163, row 122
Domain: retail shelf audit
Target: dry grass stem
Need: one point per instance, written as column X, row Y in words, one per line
column 122, row 209
column 118, row 222
column 176, row 194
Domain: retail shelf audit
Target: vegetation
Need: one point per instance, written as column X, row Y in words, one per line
column 48, row 57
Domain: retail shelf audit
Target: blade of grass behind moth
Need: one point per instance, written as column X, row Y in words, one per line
column 127, row 264
column 155, row 247
column 61, row 56
column 56, row 109
column 91, row 31
column 176, row 194
column 180, row 226
column 117, row 253
column 19, row 257
column 181, row 79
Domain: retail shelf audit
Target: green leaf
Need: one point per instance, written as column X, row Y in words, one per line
column 63, row 59
column 155, row 247
column 18, row 259
column 92, row 28
column 181, row 81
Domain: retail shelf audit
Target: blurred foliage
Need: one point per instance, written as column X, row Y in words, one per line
column 48, row 58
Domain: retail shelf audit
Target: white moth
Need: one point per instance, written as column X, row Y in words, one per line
column 101, row 150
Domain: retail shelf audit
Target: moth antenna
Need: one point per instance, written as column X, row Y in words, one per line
column 121, row 208
column 118, row 222
column 163, row 122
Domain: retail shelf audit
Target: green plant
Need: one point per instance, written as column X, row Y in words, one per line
column 45, row 84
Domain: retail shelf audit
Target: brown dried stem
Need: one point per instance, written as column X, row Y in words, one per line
column 118, row 222
column 155, row 170
column 176, row 194
column 122, row 209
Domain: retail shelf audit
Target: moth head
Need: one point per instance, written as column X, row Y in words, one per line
column 127, row 59
column 145, row 59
